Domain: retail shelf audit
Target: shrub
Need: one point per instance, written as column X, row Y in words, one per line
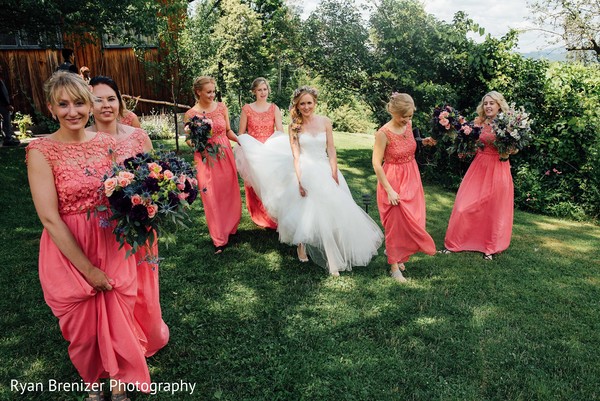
column 23, row 122
column 158, row 125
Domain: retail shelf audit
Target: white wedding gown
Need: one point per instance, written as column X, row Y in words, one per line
column 337, row 233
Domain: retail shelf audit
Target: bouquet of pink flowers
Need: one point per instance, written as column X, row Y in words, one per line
column 199, row 130
column 513, row 131
column 146, row 194
column 446, row 122
column 466, row 141
column 461, row 135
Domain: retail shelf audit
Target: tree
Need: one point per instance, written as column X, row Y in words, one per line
column 574, row 22
column 43, row 20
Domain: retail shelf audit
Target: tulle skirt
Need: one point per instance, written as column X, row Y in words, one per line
column 337, row 233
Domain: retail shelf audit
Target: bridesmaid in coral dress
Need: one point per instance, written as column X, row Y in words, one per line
column 87, row 280
column 154, row 333
column 482, row 216
column 260, row 119
column 400, row 197
column 217, row 179
column 128, row 117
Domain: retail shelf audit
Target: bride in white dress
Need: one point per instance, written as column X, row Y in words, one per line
column 304, row 191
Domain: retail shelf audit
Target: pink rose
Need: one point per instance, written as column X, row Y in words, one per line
column 547, row 172
column 109, row 186
column 168, row 174
column 125, row 178
column 183, row 195
column 152, row 210
column 444, row 122
column 467, row 130
column 154, row 174
column 136, row 200
column 180, row 186
column 154, row 167
column 444, row 114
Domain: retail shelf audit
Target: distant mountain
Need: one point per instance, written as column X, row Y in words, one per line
column 554, row 54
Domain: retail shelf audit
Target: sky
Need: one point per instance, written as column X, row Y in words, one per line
column 497, row 17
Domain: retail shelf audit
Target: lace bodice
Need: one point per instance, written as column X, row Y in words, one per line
column 219, row 125
column 487, row 137
column 261, row 125
column 400, row 148
column 78, row 170
column 131, row 146
column 313, row 145
column 127, row 119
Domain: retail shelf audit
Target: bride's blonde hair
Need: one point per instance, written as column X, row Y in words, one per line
column 296, row 116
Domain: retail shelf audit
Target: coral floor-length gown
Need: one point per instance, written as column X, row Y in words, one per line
column 99, row 326
column 261, row 126
column 482, row 216
column 218, row 182
column 154, row 332
column 404, row 223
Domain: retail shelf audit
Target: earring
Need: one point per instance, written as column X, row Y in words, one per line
column 53, row 117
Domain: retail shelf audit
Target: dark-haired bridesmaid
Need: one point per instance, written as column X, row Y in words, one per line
column 108, row 106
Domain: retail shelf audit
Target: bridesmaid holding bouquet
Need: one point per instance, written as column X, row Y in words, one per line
column 108, row 106
column 482, row 216
column 88, row 282
column 400, row 196
column 217, row 177
column 260, row 119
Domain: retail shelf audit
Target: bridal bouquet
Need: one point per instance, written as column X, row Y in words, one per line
column 466, row 141
column 446, row 122
column 148, row 195
column 513, row 131
column 199, row 130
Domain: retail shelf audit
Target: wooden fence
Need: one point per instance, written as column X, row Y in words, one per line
column 26, row 70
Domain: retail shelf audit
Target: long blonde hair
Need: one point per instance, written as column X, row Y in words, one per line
column 498, row 98
column 295, row 114
column 200, row 82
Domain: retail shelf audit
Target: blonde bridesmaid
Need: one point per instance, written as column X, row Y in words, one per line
column 217, row 179
column 482, row 216
column 88, row 283
column 400, row 197
column 260, row 119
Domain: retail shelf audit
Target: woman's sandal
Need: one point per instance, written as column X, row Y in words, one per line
column 488, row 257
column 444, row 251
column 120, row 397
column 95, row 396
column 397, row 275
column 219, row 249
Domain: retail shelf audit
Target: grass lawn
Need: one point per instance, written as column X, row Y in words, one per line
column 256, row 324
